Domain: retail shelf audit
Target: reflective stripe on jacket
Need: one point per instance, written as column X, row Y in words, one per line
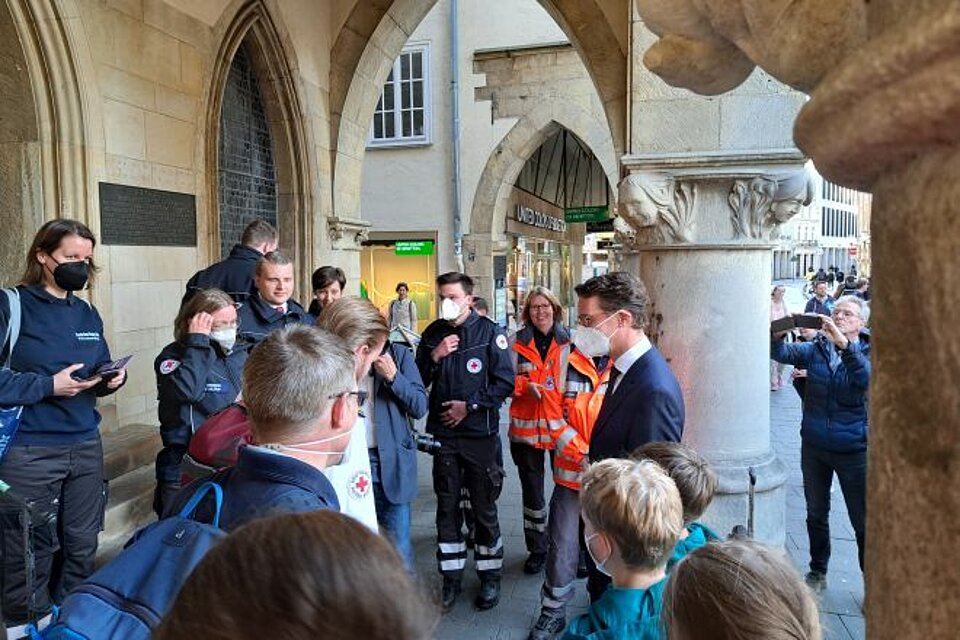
column 584, row 389
column 532, row 419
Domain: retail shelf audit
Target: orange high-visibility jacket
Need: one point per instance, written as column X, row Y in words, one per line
column 532, row 419
column 584, row 389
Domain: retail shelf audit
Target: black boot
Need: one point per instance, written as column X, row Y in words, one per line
column 489, row 595
column 535, row 563
column 450, row 593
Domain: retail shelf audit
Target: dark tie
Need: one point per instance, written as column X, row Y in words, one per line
column 279, row 309
column 614, row 374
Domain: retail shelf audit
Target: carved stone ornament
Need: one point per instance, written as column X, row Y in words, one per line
column 760, row 205
column 711, row 46
column 354, row 231
column 657, row 208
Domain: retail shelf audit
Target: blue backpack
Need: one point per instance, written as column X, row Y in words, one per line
column 127, row 598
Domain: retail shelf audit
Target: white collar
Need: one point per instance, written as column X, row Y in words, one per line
column 631, row 355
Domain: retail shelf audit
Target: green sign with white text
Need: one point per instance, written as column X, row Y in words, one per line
column 414, row 248
column 586, row 214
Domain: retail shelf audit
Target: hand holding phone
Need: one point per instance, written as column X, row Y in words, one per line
column 110, row 370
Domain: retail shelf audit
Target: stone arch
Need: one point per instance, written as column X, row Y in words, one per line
column 49, row 122
column 490, row 199
column 375, row 32
column 252, row 25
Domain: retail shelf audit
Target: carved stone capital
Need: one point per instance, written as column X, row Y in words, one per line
column 760, row 205
column 657, row 209
column 347, row 232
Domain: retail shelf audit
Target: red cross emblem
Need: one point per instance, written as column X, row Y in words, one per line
column 360, row 484
column 474, row 365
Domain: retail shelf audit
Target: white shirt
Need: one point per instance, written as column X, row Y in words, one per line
column 629, row 357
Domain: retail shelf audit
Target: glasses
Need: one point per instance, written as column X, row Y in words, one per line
column 361, row 395
column 843, row 313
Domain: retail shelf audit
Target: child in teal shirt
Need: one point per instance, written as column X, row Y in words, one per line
column 696, row 482
column 632, row 519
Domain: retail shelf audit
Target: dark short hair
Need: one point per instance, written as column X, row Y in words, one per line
column 318, row 574
column 618, row 290
column 695, row 480
column 455, row 277
column 327, row 275
column 480, row 304
column 48, row 240
column 275, row 258
column 258, row 232
column 401, row 284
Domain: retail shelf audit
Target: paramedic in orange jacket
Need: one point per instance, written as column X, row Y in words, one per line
column 585, row 384
column 537, row 408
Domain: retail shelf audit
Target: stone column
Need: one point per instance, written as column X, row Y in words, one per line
column 704, row 237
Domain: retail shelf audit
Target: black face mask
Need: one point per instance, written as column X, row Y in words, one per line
column 71, row 276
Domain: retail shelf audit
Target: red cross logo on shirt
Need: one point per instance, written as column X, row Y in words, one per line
column 359, row 485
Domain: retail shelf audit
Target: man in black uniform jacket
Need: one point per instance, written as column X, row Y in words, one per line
column 234, row 276
column 466, row 361
column 271, row 307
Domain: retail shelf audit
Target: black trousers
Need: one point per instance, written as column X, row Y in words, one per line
column 530, row 467
column 66, row 488
column 473, row 462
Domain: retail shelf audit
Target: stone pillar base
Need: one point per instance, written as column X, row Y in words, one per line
column 731, row 505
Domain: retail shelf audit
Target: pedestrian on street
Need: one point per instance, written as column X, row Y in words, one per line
column 834, row 428
column 778, row 309
column 465, row 359
column 327, row 283
column 402, row 311
column 821, row 303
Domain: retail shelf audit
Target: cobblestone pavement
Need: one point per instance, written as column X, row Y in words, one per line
column 519, row 605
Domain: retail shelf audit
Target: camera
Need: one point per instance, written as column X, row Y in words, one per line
column 426, row 443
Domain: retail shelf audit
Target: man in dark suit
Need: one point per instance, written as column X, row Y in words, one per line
column 643, row 402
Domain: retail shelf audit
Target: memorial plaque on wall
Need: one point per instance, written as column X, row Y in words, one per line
column 147, row 217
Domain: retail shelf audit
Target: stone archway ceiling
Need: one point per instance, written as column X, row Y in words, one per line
column 565, row 172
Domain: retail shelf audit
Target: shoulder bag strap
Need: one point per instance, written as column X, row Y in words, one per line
column 13, row 324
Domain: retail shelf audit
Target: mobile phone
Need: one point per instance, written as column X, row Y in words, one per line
column 111, row 369
column 809, row 321
column 783, row 324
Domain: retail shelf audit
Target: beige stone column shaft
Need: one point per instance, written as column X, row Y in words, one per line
column 703, row 227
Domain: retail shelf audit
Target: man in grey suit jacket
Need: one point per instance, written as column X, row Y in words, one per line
column 643, row 402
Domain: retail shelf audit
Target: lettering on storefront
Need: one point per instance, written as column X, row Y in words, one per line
column 540, row 220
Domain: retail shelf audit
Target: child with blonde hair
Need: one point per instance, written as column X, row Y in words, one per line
column 632, row 518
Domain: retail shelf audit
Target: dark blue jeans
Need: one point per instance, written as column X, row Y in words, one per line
column 394, row 519
column 818, row 467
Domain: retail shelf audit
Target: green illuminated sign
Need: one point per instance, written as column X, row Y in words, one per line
column 586, row 214
column 414, row 248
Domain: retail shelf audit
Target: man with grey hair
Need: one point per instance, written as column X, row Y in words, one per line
column 302, row 399
column 834, row 429
column 271, row 307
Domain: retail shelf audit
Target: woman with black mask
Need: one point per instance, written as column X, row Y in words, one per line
column 55, row 460
column 198, row 374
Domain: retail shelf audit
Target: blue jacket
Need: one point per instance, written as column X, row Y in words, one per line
column 646, row 407
column 824, row 308
column 258, row 319
column 195, row 379
column 393, row 402
column 54, row 334
column 621, row 614
column 480, row 372
column 700, row 534
column 835, row 396
column 233, row 276
column 263, row 484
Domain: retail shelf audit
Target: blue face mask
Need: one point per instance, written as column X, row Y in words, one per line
column 599, row 563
